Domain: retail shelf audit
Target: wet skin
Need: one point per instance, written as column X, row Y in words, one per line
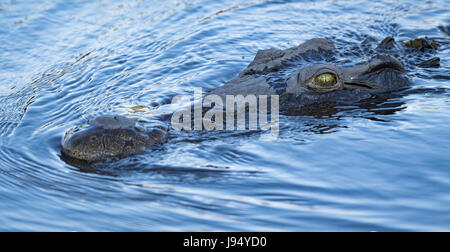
column 311, row 82
column 112, row 137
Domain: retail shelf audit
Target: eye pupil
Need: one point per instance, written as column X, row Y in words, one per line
column 326, row 79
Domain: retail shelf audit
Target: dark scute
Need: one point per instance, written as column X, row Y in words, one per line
column 264, row 56
column 431, row 63
column 422, row 44
column 387, row 43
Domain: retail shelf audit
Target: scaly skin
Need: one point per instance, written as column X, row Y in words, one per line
column 313, row 78
column 111, row 137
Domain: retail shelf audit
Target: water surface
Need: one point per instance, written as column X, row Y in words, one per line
column 379, row 168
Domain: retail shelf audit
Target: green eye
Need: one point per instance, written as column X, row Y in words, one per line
column 325, row 80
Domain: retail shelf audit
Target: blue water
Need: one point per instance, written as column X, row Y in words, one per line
column 383, row 168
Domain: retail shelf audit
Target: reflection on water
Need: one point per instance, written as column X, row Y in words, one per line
column 380, row 164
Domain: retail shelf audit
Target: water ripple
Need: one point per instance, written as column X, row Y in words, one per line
column 375, row 166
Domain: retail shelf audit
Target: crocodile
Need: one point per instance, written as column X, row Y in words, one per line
column 303, row 77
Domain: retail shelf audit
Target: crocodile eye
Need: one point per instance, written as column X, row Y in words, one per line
column 93, row 138
column 325, row 80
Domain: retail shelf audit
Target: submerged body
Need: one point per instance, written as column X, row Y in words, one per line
column 302, row 76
